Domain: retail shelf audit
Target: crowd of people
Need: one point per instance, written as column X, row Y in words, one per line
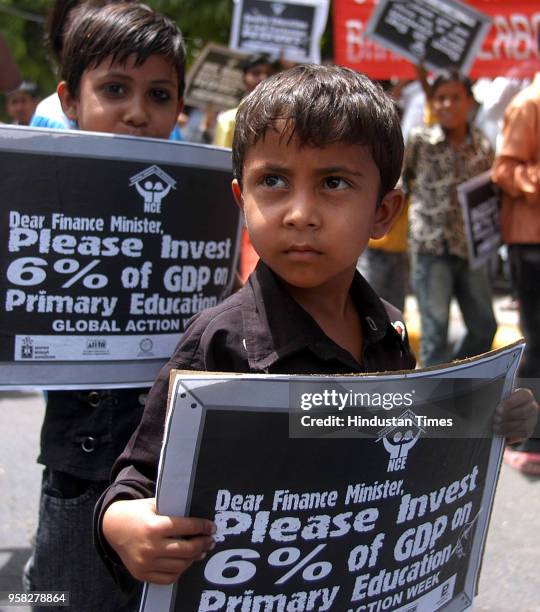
column 317, row 154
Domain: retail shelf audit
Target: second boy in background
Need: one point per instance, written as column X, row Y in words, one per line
column 123, row 72
column 437, row 159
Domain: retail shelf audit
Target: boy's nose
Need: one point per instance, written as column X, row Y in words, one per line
column 302, row 212
column 136, row 113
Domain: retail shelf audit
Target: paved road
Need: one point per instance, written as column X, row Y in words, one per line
column 20, row 422
column 510, row 578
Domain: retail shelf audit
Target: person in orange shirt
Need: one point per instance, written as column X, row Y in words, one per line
column 517, row 172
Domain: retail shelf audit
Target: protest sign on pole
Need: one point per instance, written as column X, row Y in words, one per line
column 216, row 79
column 109, row 245
column 509, row 49
column 436, row 33
column 479, row 199
column 291, row 29
column 334, row 493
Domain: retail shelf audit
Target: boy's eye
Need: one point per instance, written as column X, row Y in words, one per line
column 115, row 89
column 161, row 95
column 336, row 182
column 271, row 180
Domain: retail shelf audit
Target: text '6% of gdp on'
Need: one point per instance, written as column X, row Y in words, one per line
column 234, row 566
column 30, row 271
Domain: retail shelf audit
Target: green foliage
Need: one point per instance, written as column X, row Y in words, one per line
column 25, row 39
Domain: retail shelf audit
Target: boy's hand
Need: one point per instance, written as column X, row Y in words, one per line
column 516, row 416
column 155, row 548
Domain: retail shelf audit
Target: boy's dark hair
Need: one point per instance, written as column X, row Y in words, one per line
column 322, row 105
column 26, row 87
column 452, row 76
column 119, row 31
column 58, row 21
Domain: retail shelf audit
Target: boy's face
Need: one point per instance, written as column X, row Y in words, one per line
column 20, row 106
column 452, row 105
column 126, row 99
column 311, row 211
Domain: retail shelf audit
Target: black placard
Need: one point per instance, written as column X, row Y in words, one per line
column 480, row 201
column 289, row 29
column 394, row 521
column 109, row 246
column 439, row 34
column 216, row 79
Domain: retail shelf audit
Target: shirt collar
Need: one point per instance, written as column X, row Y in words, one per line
column 276, row 326
column 437, row 135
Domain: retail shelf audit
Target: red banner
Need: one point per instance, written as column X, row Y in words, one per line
column 510, row 48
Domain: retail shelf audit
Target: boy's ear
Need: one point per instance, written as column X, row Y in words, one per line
column 237, row 193
column 69, row 103
column 387, row 212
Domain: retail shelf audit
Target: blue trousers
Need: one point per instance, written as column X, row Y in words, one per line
column 64, row 556
column 439, row 278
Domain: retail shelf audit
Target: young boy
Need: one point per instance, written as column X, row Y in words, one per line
column 316, row 154
column 21, row 103
column 123, row 72
column 437, row 159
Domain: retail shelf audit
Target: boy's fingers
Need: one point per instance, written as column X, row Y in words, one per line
column 513, row 429
column 174, row 526
column 517, row 398
column 521, row 404
column 191, row 549
column 523, row 412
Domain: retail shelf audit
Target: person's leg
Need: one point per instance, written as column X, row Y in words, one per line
column 387, row 273
column 525, row 265
column 525, row 261
column 64, row 557
column 473, row 294
column 432, row 280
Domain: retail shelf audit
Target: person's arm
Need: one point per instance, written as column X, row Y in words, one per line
column 422, row 76
column 128, row 532
column 514, row 170
column 10, row 76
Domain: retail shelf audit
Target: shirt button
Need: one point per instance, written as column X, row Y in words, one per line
column 94, row 399
column 89, row 444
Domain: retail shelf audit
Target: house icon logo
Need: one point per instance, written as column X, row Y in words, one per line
column 398, row 440
column 153, row 184
column 278, row 8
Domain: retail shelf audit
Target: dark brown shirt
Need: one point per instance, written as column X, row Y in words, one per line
column 259, row 329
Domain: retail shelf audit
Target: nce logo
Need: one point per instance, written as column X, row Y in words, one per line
column 153, row 184
column 399, row 439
